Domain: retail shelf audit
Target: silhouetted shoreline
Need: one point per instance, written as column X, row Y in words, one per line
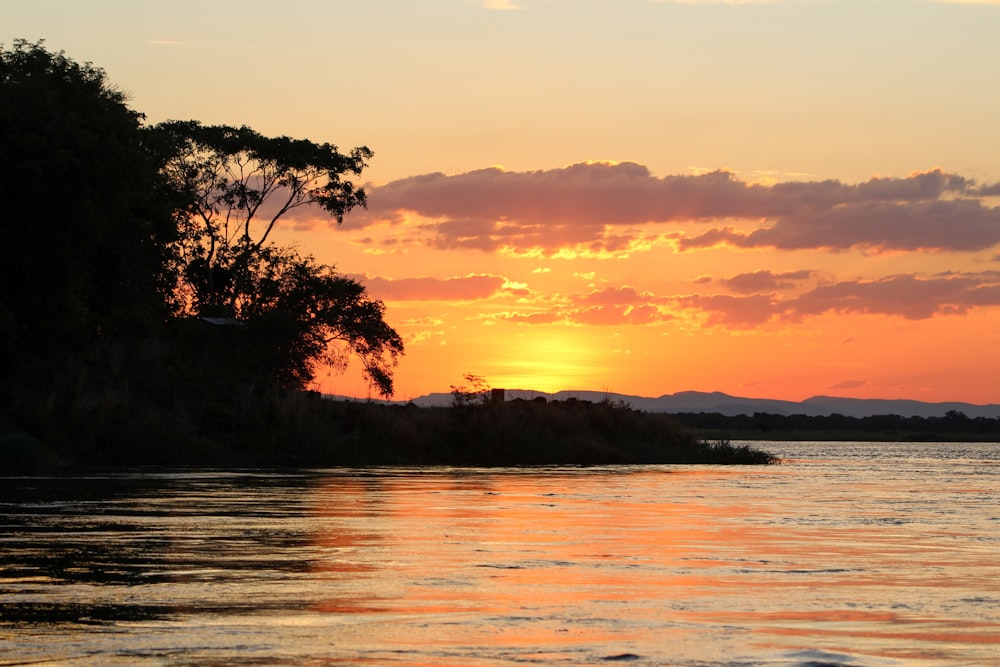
column 954, row 426
column 303, row 429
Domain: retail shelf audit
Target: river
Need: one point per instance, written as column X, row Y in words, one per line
column 845, row 554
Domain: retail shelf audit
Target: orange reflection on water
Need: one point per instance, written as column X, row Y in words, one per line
column 529, row 555
column 885, row 635
column 524, row 561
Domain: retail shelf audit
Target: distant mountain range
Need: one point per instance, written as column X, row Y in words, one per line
column 697, row 401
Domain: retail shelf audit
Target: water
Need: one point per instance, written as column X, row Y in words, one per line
column 847, row 554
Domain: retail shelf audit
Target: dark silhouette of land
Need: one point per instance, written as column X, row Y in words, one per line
column 734, row 406
column 147, row 318
column 954, row 426
column 305, row 430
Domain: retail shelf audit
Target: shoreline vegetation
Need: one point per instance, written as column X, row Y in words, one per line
column 954, row 426
column 305, row 430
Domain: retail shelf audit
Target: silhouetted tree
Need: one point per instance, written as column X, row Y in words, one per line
column 476, row 390
column 302, row 316
column 233, row 185
column 85, row 231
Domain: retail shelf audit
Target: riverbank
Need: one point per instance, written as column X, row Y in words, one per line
column 951, row 427
column 303, row 429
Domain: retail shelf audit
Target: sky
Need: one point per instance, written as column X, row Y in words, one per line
column 770, row 199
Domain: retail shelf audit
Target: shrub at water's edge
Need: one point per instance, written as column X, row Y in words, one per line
column 518, row 433
column 528, row 433
column 303, row 429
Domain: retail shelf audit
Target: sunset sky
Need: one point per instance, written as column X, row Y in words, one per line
column 771, row 199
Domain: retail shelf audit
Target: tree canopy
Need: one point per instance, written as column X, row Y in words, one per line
column 233, row 185
column 114, row 229
column 85, row 234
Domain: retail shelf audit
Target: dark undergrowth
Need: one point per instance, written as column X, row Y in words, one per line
column 953, row 426
column 116, row 428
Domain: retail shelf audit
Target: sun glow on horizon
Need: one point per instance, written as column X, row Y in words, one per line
column 549, row 359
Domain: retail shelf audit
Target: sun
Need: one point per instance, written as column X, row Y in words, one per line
column 550, row 361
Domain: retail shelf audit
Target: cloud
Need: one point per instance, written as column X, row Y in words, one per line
column 596, row 193
column 910, row 296
column 604, row 208
column 616, row 306
column 607, row 307
column 466, row 288
column 992, row 189
column 738, row 312
column 609, row 315
column 958, row 225
column 613, row 296
column 421, row 337
column 764, row 281
column 530, row 318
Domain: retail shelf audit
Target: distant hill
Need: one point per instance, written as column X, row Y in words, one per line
column 697, row 401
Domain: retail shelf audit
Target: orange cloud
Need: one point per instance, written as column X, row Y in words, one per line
column 615, row 296
column 603, row 207
column 614, row 315
column 467, row 288
column 910, row 296
column 739, row 312
column 531, row 318
column 763, row 281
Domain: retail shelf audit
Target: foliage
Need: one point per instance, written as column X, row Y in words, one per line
column 85, row 232
column 232, row 186
column 303, row 429
column 299, row 316
column 953, row 426
column 476, row 390
column 518, row 433
column 84, row 261
column 101, row 359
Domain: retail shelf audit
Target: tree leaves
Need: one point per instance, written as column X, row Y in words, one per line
column 233, row 185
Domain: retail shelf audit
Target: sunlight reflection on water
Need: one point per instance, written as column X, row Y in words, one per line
column 847, row 554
